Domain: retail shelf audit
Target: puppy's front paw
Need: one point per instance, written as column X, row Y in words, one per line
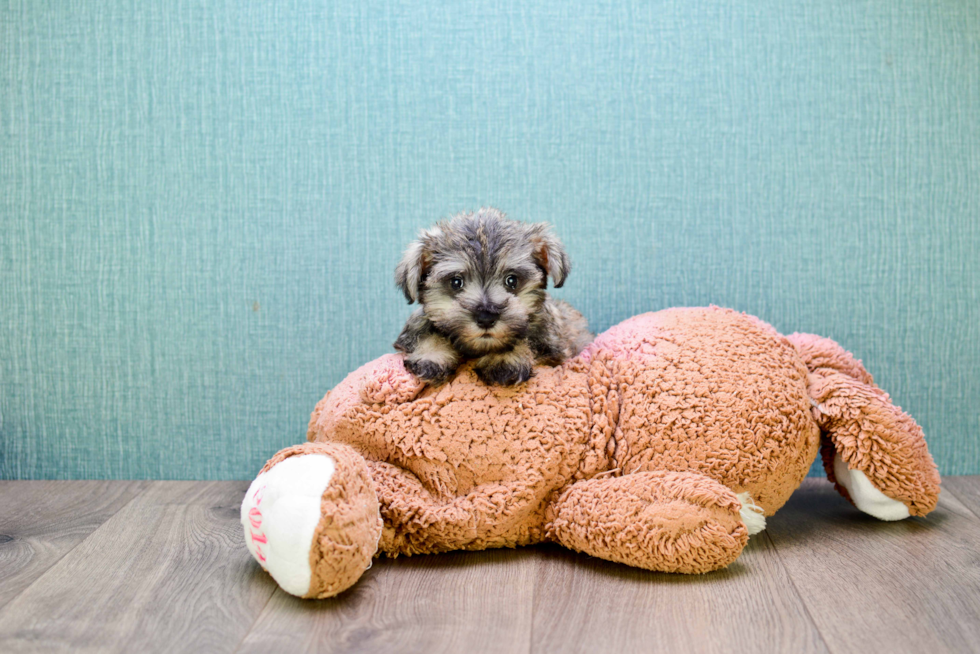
column 429, row 370
column 505, row 374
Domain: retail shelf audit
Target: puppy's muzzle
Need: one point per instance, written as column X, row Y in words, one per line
column 486, row 317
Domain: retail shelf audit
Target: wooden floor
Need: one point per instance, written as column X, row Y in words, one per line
column 162, row 567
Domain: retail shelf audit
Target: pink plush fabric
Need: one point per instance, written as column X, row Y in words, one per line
column 634, row 451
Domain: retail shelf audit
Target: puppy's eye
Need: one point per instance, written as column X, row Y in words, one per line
column 510, row 282
column 456, row 283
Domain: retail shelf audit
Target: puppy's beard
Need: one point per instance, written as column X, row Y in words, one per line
column 473, row 341
column 478, row 341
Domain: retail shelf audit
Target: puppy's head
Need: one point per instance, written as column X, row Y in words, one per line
column 480, row 277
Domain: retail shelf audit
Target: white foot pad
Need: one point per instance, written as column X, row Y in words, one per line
column 752, row 515
column 866, row 497
column 280, row 513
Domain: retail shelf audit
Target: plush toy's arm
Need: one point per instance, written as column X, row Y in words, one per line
column 419, row 521
column 414, row 521
column 666, row 521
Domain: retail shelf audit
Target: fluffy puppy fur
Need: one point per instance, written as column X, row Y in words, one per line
column 481, row 281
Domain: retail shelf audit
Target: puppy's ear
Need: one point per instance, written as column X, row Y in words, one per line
column 414, row 266
column 411, row 270
column 549, row 253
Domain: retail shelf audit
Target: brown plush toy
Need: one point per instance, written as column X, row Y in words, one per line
column 663, row 445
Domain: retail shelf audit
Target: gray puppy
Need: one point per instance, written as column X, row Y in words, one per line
column 481, row 280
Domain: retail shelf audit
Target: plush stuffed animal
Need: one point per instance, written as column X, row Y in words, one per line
column 663, row 445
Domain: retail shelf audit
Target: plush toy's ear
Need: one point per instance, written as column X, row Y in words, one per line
column 550, row 253
column 412, row 269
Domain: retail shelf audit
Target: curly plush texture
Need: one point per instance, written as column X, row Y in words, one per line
column 638, row 450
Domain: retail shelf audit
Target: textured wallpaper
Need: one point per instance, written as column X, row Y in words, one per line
column 202, row 203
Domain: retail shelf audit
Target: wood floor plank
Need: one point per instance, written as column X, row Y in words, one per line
column 168, row 573
column 457, row 602
column 966, row 490
column 549, row 600
column 161, row 566
column 588, row 605
column 40, row 521
column 907, row 586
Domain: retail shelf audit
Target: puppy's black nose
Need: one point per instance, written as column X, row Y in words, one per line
column 485, row 319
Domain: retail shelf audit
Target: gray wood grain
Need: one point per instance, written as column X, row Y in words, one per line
column 168, row 572
column 457, row 602
column 871, row 586
column 966, row 490
column 40, row 521
column 545, row 599
column 588, row 605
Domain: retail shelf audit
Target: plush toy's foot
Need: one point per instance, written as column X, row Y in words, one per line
column 280, row 512
column 873, row 451
column 865, row 496
column 311, row 519
column 666, row 521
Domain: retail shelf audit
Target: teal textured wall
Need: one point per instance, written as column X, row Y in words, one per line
column 202, row 202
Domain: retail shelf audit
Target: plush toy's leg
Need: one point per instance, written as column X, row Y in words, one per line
column 666, row 521
column 418, row 521
column 874, row 452
column 311, row 519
